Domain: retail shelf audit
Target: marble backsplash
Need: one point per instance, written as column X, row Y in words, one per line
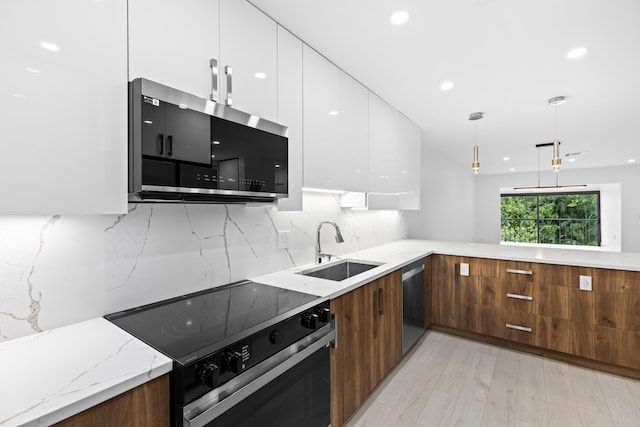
column 59, row 270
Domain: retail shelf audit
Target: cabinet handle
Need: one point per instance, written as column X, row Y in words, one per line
column 228, row 72
column 519, row 328
column 514, row 271
column 380, row 301
column 170, row 145
column 518, row 296
column 161, row 144
column 213, row 64
column 375, row 304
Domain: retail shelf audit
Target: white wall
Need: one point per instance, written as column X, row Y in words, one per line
column 58, row 270
column 487, row 199
column 447, row 207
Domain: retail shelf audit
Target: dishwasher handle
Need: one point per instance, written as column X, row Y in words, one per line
column 406, row 275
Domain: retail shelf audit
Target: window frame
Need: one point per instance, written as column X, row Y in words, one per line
column 538, row 220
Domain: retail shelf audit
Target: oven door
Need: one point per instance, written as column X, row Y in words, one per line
column 291, row 388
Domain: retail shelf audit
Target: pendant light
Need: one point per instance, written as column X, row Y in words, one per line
column 556, row 161
column 475, row 165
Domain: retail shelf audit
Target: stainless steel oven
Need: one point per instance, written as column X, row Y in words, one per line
column 288, row 390
column 244, row 354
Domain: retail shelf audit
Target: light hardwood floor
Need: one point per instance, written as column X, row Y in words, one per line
column 451, row 381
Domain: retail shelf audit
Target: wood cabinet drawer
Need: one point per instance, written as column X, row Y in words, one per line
column 622, row 281
column 617, row 310
column 511, row 325
column 514, row 270
column 557, row 334
column 617, row 346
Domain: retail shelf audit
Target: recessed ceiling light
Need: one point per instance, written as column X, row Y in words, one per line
column 333, row 113
column 446, row 86
column 506, row 158
column 576, row 53
column 632, row 160
column 50, row 46
column 260, row 75
column 19, row 95
column 572, row 159
column 399, row 17
column 512, row 169
column 33, row 70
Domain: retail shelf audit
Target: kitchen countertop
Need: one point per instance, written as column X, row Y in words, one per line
column 397, row 254
column 52, row 375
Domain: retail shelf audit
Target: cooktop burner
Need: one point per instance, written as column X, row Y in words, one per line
column 186, row 326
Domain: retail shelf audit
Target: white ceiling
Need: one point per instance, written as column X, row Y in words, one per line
column 506, row 59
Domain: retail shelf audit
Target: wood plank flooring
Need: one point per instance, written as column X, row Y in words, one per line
column 451, row 381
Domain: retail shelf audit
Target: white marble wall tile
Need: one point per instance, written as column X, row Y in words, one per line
column 58, row 270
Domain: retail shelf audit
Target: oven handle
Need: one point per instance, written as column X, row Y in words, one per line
column 207, row 408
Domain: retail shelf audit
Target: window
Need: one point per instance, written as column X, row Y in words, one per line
column 551, row 218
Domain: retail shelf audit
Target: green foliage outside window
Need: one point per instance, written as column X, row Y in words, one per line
column 560, row 218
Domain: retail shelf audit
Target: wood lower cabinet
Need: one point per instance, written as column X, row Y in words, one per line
column 541, row 305
column 616, row 317
column 369, row 342
column 144, row 406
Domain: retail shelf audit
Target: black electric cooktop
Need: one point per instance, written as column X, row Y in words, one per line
column 192, row 326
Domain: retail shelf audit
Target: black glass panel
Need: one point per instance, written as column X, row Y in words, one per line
column 181, row 326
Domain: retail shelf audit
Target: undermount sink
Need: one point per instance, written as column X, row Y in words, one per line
column 340, row 271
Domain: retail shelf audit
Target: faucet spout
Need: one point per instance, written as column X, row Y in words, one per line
column 339, row 239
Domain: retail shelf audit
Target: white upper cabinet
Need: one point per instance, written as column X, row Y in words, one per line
column 323, row 160
column 394, row 158
column 410, row 148
column 248, row 44
column 290, row 112
column 63, row 102
column 335, row 127
column 353, row 152
column 171, row 42
column 384, row 157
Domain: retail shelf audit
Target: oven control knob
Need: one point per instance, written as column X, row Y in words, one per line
column 310, row 320
column 324, row 314
column 209, row 375
column 275, row 337
column 232, row 361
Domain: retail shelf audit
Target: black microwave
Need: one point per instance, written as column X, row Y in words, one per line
column 183, row 148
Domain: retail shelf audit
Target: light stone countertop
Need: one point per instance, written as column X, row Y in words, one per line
column 397, row 254
column 52, row 375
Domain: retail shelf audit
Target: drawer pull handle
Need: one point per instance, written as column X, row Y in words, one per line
column 518, row 296
column 514, row 271
column 519, row 328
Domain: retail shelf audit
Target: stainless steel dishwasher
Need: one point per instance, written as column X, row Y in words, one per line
column 412, row 304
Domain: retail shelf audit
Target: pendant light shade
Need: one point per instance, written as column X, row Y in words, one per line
column 475, row 165
column 556, row 161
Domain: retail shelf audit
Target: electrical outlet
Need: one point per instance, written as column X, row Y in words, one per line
column 585, row 283
column 283, row 239
column 464, row 269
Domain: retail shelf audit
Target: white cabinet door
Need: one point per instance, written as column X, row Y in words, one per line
column 384, row 155
column 248, row 44
column 63, row 103
column 322, row 147
column 352, row 155
column 171, row 42
column 290, row 112
column 410, row 148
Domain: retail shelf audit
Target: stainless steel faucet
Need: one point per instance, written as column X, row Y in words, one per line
column 339, row 239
